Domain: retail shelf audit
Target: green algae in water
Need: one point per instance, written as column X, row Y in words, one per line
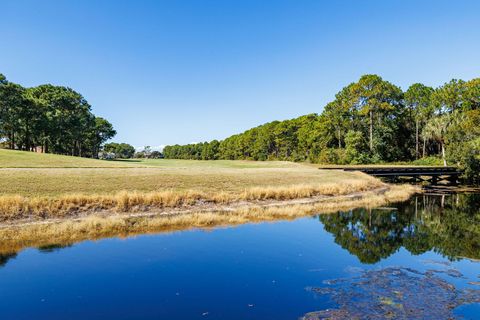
column 395, row 293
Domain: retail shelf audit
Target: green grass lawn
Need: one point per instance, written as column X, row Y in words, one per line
column 28, row 173
column 23, row 159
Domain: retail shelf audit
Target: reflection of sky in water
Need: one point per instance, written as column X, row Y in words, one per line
column 255, row 271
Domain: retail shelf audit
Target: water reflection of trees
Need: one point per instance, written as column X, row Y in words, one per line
column 4, row 258
column 448, row 225
column 54, row 247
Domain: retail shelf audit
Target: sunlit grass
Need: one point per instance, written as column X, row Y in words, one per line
column 51, row 189
column 48, row 176
column 23, row 159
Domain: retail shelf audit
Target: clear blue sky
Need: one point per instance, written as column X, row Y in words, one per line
column 166, row 72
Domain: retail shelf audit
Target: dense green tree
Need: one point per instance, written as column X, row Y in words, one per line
column 376, row 99
column 449, row 97
column 463, row 143
column 337, row 119
column 121, row 150
column 210, row 150
column 418, row 101
column 51, row 118
column 14, row 112
column 471, row 95
column 311, row 137
column 101, row 132
column 355, row 147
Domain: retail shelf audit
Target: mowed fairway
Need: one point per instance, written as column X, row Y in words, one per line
column 31, row 174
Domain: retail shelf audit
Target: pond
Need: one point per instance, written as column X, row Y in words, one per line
column 414, row 260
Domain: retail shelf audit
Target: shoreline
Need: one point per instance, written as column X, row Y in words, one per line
column 19, row 207
column 30, row 211
column 20, row 234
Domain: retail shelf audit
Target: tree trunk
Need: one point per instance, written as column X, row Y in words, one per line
column 371, row 130
column 27, row 138
column 443, row 155
column 10, row 140
column 424, row 146
column 416, row 140
column 339, row 140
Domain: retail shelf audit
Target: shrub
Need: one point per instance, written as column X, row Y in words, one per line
column 332, row 156
column 429, row 161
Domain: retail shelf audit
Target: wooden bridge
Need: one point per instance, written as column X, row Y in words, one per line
column 430, row 174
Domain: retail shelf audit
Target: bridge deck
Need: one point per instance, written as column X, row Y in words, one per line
column 436, row 173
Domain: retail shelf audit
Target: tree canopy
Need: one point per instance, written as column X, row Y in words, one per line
column 120, row 150
column 50, row 118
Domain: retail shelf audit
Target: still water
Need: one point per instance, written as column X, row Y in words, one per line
column 412, row 260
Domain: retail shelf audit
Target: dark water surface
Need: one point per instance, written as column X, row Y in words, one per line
column 415, row 260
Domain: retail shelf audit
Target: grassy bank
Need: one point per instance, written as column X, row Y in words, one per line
column 58, row 233
column 95, row 177
column 51, row 187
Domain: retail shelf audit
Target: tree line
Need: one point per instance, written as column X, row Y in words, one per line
column 369, row 121
column 50, row 119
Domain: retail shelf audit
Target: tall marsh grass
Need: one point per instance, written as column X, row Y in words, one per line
column 14, row 207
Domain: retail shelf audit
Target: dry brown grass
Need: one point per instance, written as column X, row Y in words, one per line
column 14, row 207
column 64, row 232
